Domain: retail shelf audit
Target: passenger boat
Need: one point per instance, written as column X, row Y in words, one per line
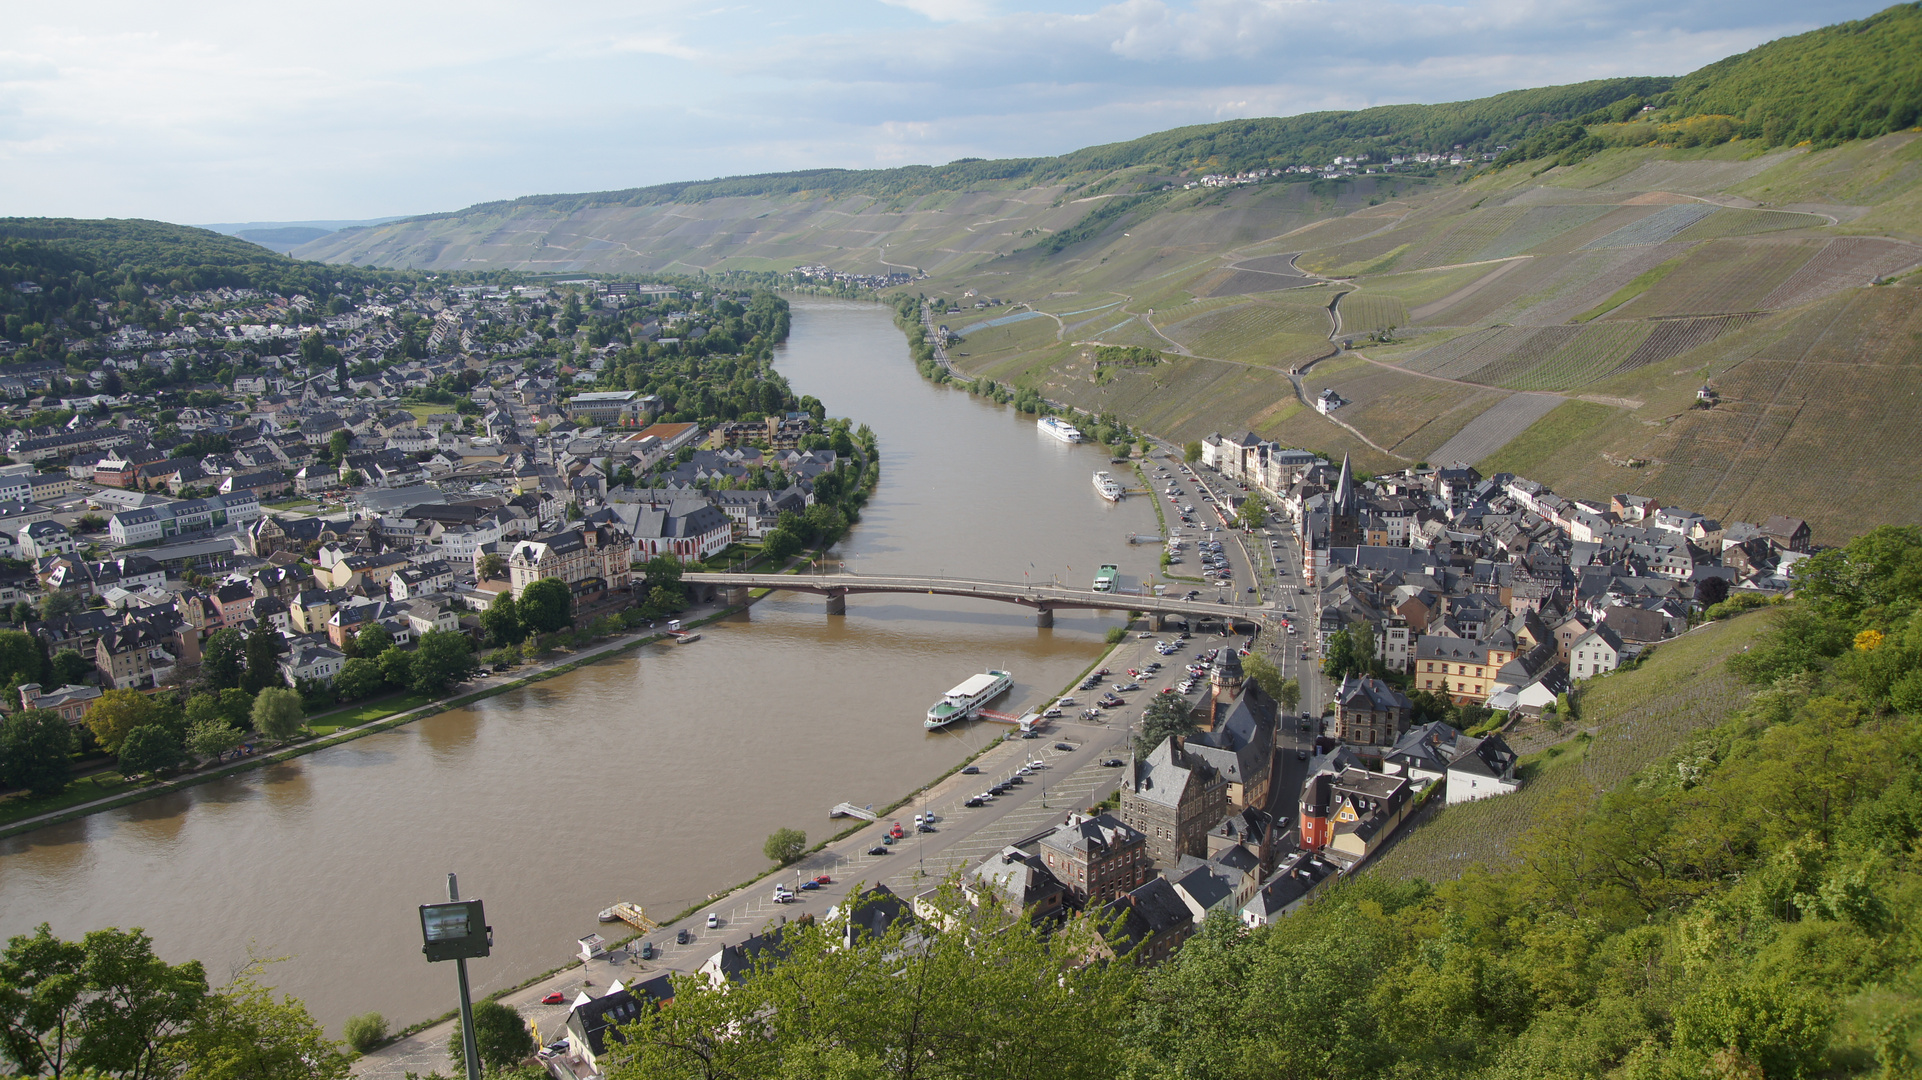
column 962, row 701
column 1106, row 487
column 1106, row 577
column 1060, row 429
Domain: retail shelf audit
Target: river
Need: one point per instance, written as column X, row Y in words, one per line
column 653, row 777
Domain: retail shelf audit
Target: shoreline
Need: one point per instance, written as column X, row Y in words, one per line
column 907, row 798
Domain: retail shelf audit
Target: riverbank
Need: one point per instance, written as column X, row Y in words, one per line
column 409, row 709
column 419, row 1048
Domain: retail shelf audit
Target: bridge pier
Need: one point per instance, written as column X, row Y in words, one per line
column 1157, row 622
column 837, row 603
column 1044, row 618
column 735, row 594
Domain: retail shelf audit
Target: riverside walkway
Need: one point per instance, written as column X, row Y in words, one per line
column 1044, row 598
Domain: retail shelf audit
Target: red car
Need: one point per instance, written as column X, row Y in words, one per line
column 554, row 998
column 896, row 832
column 824, row 880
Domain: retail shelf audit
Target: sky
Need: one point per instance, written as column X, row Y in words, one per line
column 230, row 112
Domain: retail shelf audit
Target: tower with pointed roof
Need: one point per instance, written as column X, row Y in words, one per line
column 1344, row 510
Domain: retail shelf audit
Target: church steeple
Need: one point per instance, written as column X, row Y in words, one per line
column 1345, row 500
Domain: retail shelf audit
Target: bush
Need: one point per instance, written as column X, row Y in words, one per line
column 1116, row 635
column 1735, row 605
column 785, row 845
column 364, row 1032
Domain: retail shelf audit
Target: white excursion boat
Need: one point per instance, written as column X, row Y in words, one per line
column 1060, row 429
column 962, row 701
column 1106, row 486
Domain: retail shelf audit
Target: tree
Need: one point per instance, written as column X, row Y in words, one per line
column 103, row 1004
column 115, row 713
column 1285, row 691
column 1191, row 453
column 213, row 736
column 491, row 567
column 374, row 639
column 1166, row 715
column 339, row 443
column 359, row 678
column 223, row 659
column 149, row 749
column 785, row 845
column 441, row 658
column 19, row 655
column 546, row 605
column 69, row 667
column 780, row 544
column 500, row 1037
column 352, row 478
column 277, row 713
column 1254, row 511
column 36, row 751
column 502, row 622
column 396, row 665
column 60, row 602
column 263, row 659
column 242, row 1033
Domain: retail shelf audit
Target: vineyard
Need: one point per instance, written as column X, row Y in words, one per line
column 1263, row 333
column 1591, row 355
column 1662, row 225
column 1406, row 413
column 1364, row 311
column 1465, row 241
column 1673, row 337
column 1589, row 283
column 1727, row 222
column 1843, row 263
column 1427, row 286
column 1719, row 276
column 1629, row 720
column 1495, row 428
column 1539, row 225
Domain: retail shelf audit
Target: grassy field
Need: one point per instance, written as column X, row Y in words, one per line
column 1628, row 721
column 1567, row 427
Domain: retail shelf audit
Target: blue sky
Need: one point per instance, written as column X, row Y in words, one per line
column 220, row 111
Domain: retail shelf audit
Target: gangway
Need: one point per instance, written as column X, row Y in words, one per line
column 1026, row 720
column 848, row 809
column 634, row 916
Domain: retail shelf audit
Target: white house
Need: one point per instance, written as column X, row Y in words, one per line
column 315, row 663
column 1595, row 653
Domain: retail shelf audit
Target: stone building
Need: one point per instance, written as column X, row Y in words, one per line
column 1095, row 859
column 1370, row 712
column 1173, row 798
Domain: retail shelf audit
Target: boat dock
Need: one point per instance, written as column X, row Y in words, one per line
column 1025, row 720
column 848, row 809
column 634, row 916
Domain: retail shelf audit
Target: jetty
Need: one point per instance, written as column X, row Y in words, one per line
column 848, row 809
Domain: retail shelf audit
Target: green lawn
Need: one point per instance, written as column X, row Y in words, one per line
column 84, row 790
column 366, row 712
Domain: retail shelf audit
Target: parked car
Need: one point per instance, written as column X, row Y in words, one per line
column 824, row 880
column 713, row 921
column 648, row 951
column 1064, row 746
column 684, row 936
column 810, row 886
column 878, row 849
column 970, row 770
column 554, row 998
column 976, row 801
column 1112, row 763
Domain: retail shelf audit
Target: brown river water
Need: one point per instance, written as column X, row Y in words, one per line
column 653, row 777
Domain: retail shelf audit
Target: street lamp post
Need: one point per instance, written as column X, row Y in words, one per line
column 456, row 931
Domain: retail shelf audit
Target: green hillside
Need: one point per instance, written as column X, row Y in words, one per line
column 152, row 252
column 1638, row 237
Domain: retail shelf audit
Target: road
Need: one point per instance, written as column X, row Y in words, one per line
column 1071, row 779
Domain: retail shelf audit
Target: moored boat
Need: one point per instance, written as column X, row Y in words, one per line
column 1060, row 429
column 1106, row 486
column 962, row 701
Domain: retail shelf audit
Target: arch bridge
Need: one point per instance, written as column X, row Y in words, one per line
column 1045, row 599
